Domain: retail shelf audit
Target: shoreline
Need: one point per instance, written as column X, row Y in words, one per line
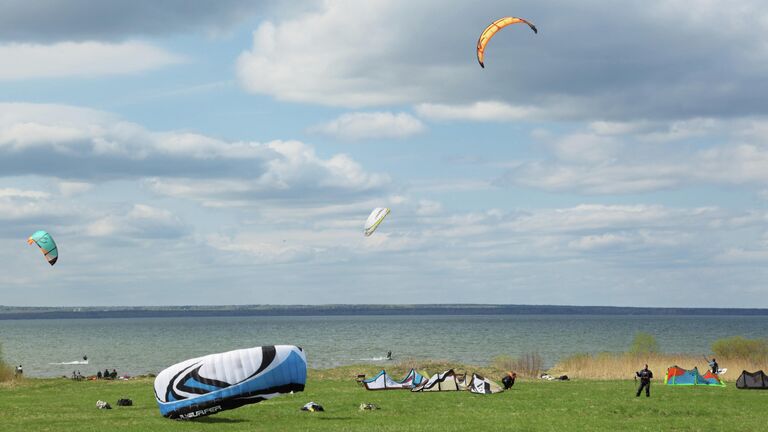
column 587, row 367
column 111, row 312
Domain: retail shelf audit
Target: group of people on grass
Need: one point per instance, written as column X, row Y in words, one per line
column 646, row 376
column 107, row 374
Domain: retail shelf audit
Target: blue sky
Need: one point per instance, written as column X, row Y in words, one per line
column 185, row 152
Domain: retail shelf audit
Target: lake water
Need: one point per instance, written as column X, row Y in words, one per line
column 148, row 345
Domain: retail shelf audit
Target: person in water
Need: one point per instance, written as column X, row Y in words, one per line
column 714, row 366
column 645, row 376
column 389, row 355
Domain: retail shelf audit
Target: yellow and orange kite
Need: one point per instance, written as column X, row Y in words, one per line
column 491, row 30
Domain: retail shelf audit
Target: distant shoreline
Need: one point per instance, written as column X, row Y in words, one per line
column 96, row 312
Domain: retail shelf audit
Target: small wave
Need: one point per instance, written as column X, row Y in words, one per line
column 76, row 362
column 373, row 359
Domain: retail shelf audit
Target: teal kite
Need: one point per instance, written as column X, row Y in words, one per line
column 46, row 244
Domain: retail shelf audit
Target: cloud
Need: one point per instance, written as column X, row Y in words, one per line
column 78, row 20
column 19, row 204
column 6, row 193
column 478, row 111
column 24, row 211
column 79, row 147
column 140, row 222
column 358, row 126
column 591, row 61
column 294, row 173
column 72, row 188
column 626, row 158
column 255, row 251
column 355, row 67
column 82, row 145
column 81, row 59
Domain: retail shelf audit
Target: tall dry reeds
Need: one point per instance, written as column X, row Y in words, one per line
column 7, row 373
column 528, row 365
column 611, row 366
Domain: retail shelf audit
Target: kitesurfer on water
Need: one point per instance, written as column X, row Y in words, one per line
column 645, row 376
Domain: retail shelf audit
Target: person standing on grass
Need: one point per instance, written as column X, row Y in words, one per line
column 714, row 366
column 645, row 376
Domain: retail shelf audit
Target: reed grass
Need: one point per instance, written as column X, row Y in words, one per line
column 528, row 365
column 612, row 366
column 7, row 373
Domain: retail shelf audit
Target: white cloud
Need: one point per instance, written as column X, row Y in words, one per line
column 25, row 206
column 140, row 222
column 371, row 125
column 296, row 172
column 429, row 208
column 256, row 251
column 72, row 188
column 585, row 147
column 741, row 256
column 478, row 111
column 627, row 158
column 6, row 193
column 300, row 60
column 79, row 144
column 80, row 59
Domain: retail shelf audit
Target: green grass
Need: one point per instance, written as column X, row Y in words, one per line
column 65, row 405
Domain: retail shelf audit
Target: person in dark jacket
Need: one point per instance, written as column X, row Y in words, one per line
column 509, row 380
column 645, row 376
column 714, row 365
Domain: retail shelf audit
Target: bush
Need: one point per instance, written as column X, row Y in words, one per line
column 738, row 347
column 644, row 344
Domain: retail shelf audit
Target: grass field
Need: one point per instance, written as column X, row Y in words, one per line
column 65, row 405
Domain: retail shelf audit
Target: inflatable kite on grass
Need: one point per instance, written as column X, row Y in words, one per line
column 217, row 382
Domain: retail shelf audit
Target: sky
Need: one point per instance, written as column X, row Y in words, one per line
column 212, row 153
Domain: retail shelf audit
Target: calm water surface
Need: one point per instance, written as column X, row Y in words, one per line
column 148, row 345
